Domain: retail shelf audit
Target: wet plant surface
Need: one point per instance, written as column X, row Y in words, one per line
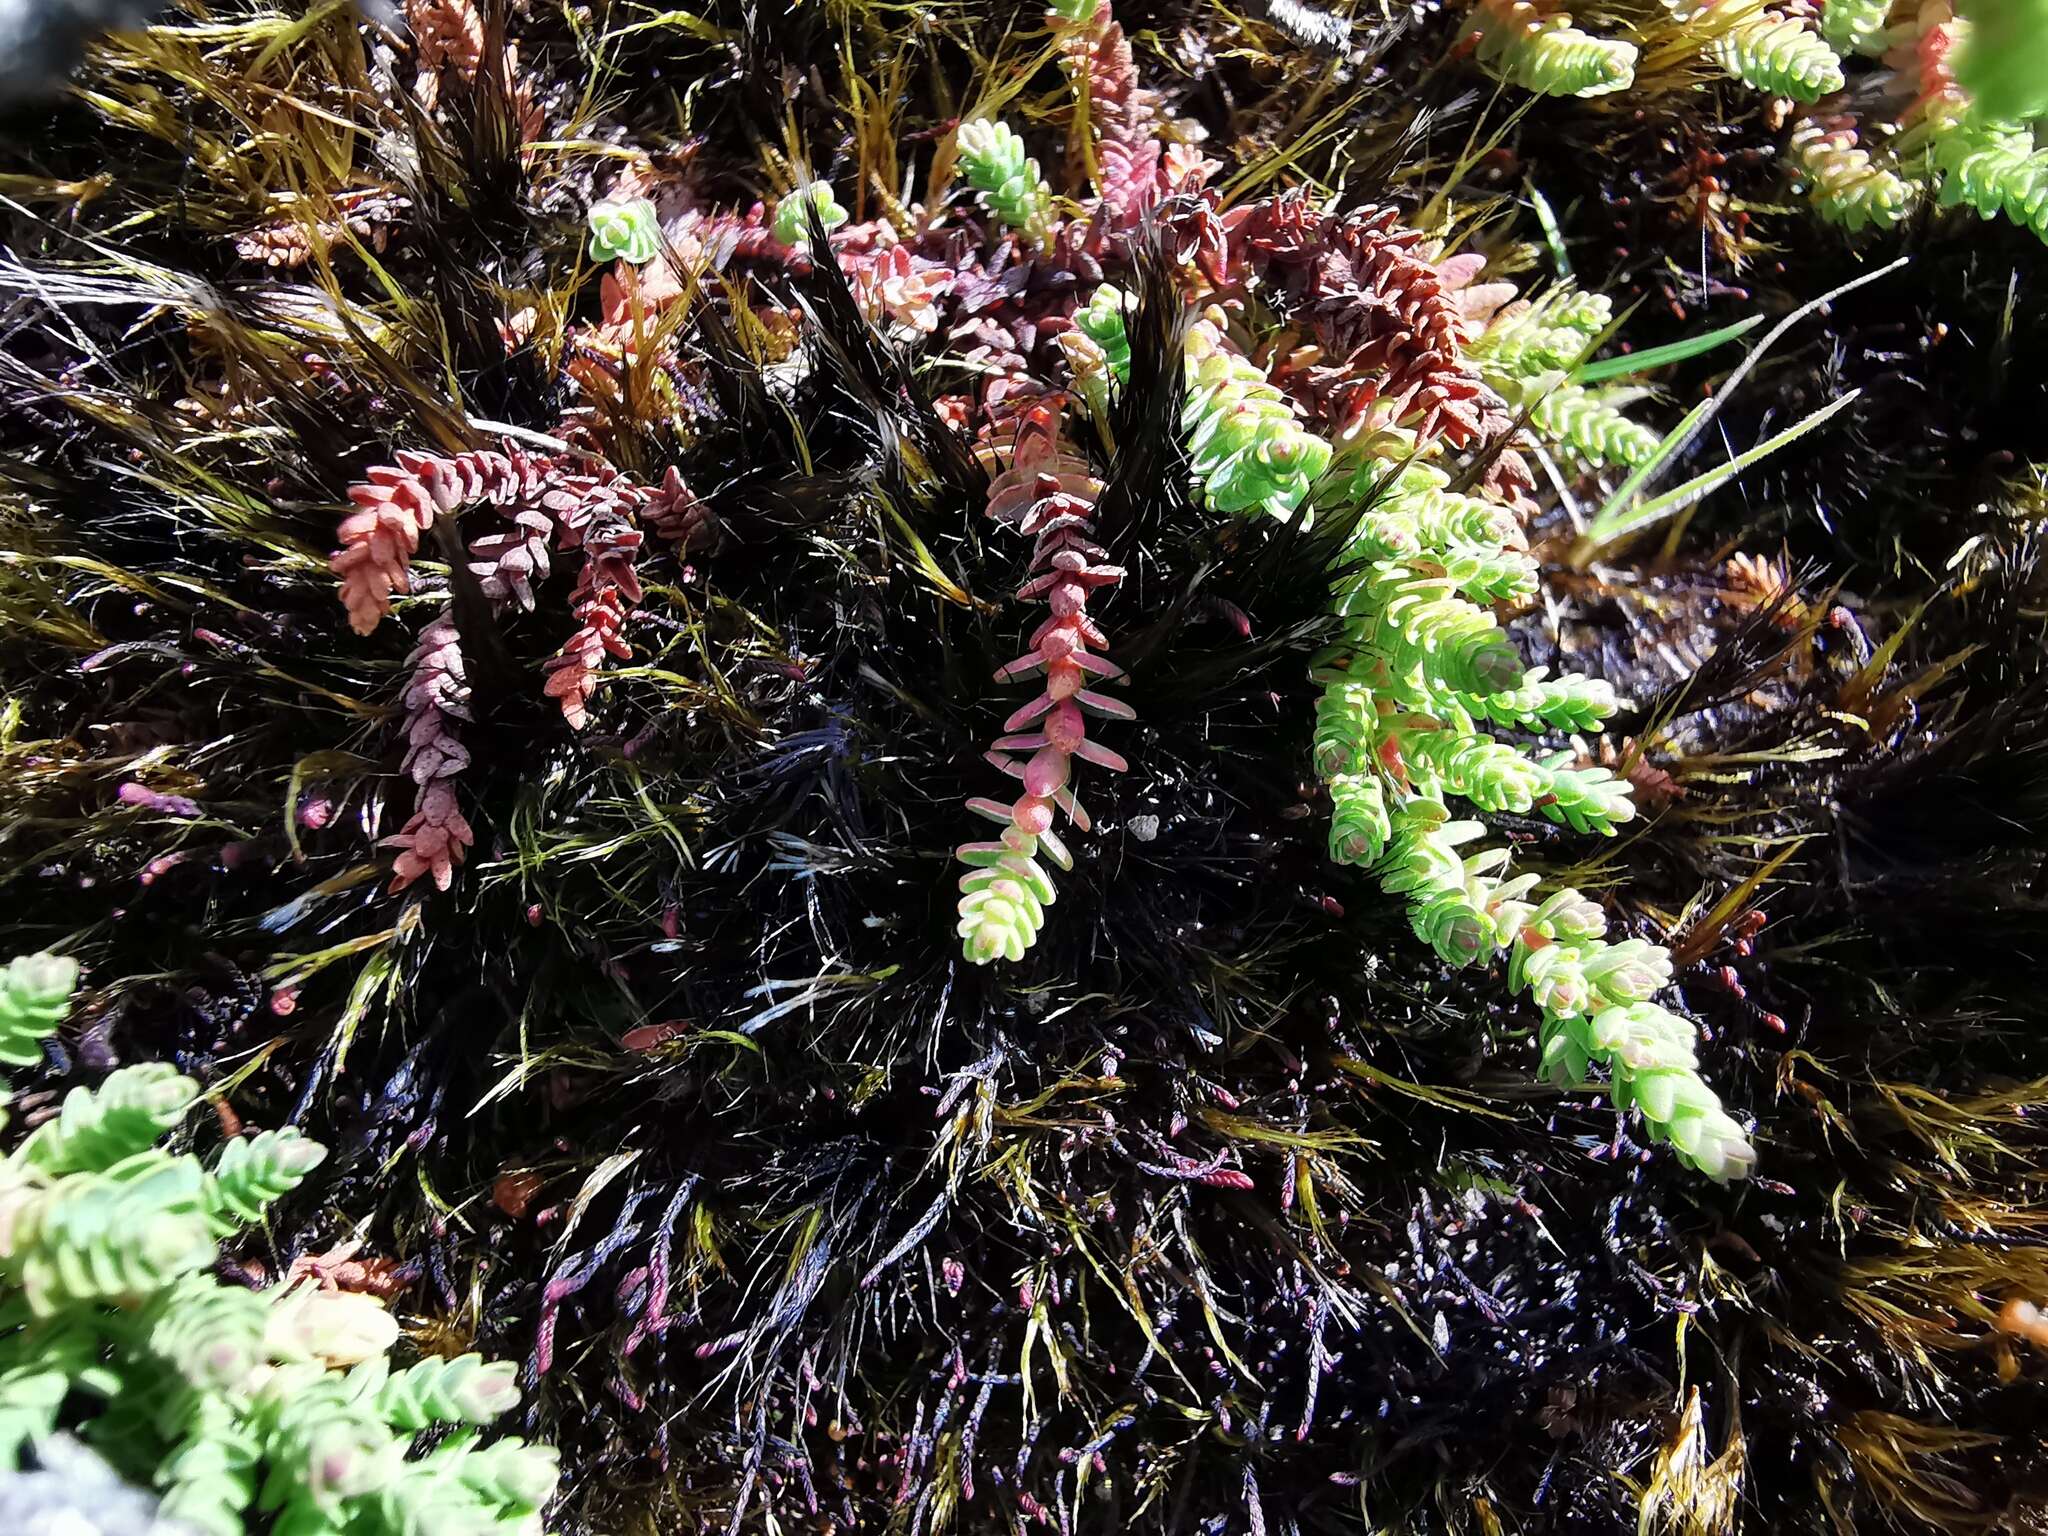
column 1229, row 1206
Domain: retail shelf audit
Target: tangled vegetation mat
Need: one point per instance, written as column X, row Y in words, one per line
column 977, row 769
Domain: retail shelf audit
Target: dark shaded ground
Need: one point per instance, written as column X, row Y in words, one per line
column 1227, row 1211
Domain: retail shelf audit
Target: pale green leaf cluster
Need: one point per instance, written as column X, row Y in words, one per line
column 1101, row 319
column 1979, row 150
column 1359, row 825
column 1994, row 168
column 1248, row 450
column 1527, row 354
column 126, row 1115
column 1970, row 139
column 1399, row 732
column 1767, row 50
column 1779, row 56
column 1857, row 26
column 1410, row 613
column 231, row 1403
column 1098, row 350
column 1970, row 160
column 1006, row 179
column 1422, row 668
column 791, row 224
column 35, row 992
column 1595, row 996
column 1594, row 993
column 1549, row 333
column 1548, row 55
column 1003, row 902
column 624, row 231
column 1845, row 182
column 1588, row 424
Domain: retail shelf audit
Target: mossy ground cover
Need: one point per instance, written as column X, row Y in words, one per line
column 1230, row 1205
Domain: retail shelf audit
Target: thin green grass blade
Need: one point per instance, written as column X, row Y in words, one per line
column 1756, row 353
column 1553, row 237
column 1675, row 439
column 1658, row 357
column 1618, row 522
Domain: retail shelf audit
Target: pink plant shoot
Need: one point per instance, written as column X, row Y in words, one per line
column 549, row 507
column 1046, row 492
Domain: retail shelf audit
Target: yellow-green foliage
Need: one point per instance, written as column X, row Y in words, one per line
column 1846, row 183
column 1398, row 728
column 1421, row 667
column 992, row 158
column 1518, row 43
column 239, row 1406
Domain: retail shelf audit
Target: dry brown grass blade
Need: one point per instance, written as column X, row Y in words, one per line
column 1689, row 1491
column 1905, row 1464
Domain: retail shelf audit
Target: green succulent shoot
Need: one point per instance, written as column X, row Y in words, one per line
column 1005, row 179
column 792, row 220
column 275, row 1409
column 1548, row 55
column 1422, row 666
column 1244, row 443
column 35, row 994
column 1779, row 56
column 625, row 231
